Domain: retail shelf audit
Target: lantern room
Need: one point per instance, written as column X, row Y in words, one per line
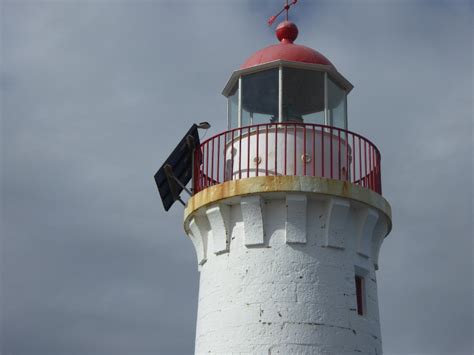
column 287, row 82
column 287, row 116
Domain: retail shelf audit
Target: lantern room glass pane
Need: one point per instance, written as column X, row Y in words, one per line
column 303, row 96
column 260, row 97
column 336, row 105
column 233, row 107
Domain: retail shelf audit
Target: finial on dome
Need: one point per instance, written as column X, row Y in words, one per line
column 286, row 32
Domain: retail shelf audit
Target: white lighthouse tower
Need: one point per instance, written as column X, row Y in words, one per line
column 287, row 214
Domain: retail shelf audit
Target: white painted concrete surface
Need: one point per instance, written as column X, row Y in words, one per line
column 277, row 275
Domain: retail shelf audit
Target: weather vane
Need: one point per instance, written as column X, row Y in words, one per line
column 285, row 8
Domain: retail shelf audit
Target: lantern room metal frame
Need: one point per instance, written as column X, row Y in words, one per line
column 327, row 151
column 328, row 70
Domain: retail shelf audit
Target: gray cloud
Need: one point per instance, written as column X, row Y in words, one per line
column 96, row 93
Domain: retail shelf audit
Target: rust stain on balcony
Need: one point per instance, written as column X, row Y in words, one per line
column 274, row 184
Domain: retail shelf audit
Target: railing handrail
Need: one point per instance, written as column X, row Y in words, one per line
column 345, row 161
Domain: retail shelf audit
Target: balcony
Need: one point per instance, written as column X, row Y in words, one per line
column 287, row 149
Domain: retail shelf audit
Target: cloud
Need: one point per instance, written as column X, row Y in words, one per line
column 96, row 94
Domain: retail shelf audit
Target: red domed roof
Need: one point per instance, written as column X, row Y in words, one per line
column 286, row 50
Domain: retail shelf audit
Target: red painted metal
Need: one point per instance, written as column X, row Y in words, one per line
column 323, row 133
column 339, row 155
column 207, row 165
column 366, row 175
column 285, row 8
column 331, row 152
column 266, row 152
column 224, row 152
column 212, row 165
column 294, row 151
column 276, row 150
column 362, row 154
column 218, row 158
column 248, row 151
column 240, row 153
column 378, row 174
column 286, row 148
column 258, row 159
column 286, row 32
column 360, row 165
column 231, row 176
column 346, row 177
column 304, row 150
column 370, row 167
column 286, row 51
column 314, row 151
column 353, row 158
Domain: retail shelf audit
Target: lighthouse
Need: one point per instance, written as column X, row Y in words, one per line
column 286, row 215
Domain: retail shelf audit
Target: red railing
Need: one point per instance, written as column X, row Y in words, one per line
column 296, row 149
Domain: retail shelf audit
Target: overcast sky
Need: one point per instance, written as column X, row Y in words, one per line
column 95, row 94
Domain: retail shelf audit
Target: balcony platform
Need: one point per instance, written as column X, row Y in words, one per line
column 262, row 185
